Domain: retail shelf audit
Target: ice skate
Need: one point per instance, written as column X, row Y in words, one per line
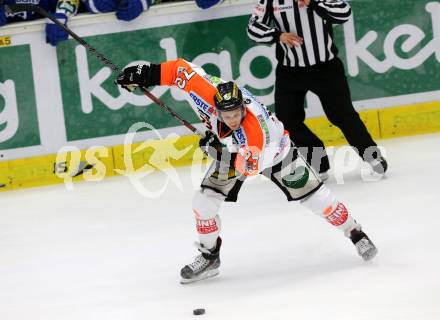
column 206, row 265
column 379, row 165
column 364, row 246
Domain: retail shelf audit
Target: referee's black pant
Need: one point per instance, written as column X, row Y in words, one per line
column 329, row 83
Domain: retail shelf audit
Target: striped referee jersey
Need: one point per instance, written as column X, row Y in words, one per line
column 270, row 18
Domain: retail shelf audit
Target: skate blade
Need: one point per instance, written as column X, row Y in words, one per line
column 203, row 276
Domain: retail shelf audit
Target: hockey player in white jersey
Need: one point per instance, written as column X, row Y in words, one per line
column 244, row 139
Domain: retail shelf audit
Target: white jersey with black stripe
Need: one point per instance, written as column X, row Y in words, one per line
column 313, row 23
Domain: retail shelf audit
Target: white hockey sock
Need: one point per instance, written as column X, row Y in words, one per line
column 206, row 204
column 325, row 204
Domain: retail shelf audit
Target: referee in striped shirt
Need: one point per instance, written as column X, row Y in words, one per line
column 307, row 61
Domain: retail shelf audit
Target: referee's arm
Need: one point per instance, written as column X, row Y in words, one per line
column 258, row 28
column 334, row 11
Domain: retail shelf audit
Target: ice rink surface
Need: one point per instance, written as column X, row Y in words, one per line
column 103, row 251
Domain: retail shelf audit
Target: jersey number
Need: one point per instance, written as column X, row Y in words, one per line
column 181, row 81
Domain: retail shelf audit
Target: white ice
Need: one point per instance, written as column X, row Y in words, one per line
column 103, row 251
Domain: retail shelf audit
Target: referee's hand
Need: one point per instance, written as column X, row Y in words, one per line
column 291, row 39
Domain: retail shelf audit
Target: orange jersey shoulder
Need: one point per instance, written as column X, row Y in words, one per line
column 188, row 77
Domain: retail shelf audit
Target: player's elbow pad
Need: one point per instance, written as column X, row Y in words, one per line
column 100, row 6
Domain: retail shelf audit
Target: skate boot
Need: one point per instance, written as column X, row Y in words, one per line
column 379, row 165
column 204, row 266
column 365, row 248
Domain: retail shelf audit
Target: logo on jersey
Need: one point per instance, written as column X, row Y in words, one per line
column 282, row 8
column 259, row 11
column 265, row 111
column 201, row 104
column 212, row 79
column 69, row 6
column 245, row 92
column 241, row 136
column 22, row 14
column 180, row 69
column 205, row 110
column 284, row 141
column 264, row 127
column 249, row 98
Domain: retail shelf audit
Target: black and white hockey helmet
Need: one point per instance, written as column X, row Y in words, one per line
column 228, row 97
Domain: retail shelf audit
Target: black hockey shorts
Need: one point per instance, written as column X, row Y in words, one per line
column 296, row 179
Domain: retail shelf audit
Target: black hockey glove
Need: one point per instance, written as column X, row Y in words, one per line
column 211, row 145
column 136, row 76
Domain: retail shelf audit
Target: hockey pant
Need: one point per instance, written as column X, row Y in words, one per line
column 296, row 179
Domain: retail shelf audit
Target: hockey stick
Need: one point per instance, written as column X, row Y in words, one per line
column 13, row 8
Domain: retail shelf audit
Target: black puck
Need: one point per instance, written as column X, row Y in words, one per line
column 198, row 312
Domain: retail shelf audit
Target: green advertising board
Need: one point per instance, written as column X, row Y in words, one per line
column 391, row 48
column 18, row 113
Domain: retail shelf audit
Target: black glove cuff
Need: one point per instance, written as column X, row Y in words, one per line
column 153, row 75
